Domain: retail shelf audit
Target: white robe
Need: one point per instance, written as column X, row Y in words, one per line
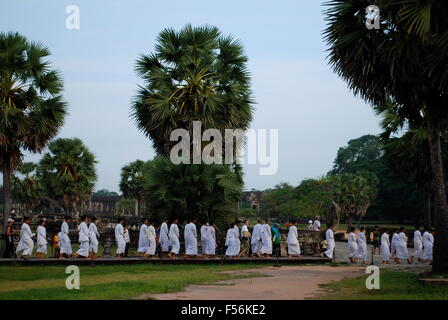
column 119, row 238
column 362, row 246
column 152, row 244
column 293, row 241
column 402, row 246
column 164, row 238
column 204, row 234
column 394, row 243
column 41, row 234
column 418, row 244
column 238, row 243
column 66, row 245
column 143, row 242
column 174, row 238
column 210, row 246
column 83, row 238
column 329, row 236
column 266, row 238
column 428, row 244
column 232, row 243
column 352, row 246
column 26, row 243
column 191, row 240
column 385, row 246
column 316, row 225
column 256, row 238
column 93, row 237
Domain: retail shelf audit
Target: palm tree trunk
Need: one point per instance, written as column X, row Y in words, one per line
column 440, row 263
column 427, row 217
column 7, row 201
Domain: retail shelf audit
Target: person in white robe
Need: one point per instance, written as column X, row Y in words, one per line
column 385, row 247
column 394, row 243
column 402, row 247
column 428, row 244
column 26, row 243
column 191, row 239
column 205, row 232
column 310, row 225
column 174, row 239
column 210, row 246
column 41, row 235
column 119, row 238
column 127, row 240
column 143, row 242
column 266, row 238
column 362, row 245
column 352, row 245
column 66, row 245
column 152, row 243
column 236, row 228
column 245, row 239
column 164, row 238
column 316, row 224
column 418, row 244
column 93, row 238
column 83, row 238
column 232, row 242
column 331, row 244
column 293, row 240
column 256, row 241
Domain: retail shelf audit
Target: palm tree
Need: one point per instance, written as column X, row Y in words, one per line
column 68, row 173
column 28, row 190
column 195, row 74
column 185, row 191
column 398, row 62
column 31, row 105
column 132, row 182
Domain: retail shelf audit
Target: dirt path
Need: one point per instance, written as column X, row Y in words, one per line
column 285, row 283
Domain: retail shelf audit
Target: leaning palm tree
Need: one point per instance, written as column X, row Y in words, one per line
column 31, row 105
column 195, row 74
column 398, row 62
column 68, row 173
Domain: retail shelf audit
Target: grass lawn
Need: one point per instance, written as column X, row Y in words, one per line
column 108, row 282
column 394, row 285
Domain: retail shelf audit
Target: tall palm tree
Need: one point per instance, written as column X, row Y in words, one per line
column 132, row 182
column 397, row 61
column 31, row 105
column 68, row 173
column 195, row 74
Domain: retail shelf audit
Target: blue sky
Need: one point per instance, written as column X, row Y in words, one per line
column 295, row 90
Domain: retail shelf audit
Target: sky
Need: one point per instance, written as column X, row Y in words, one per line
column 295, row 90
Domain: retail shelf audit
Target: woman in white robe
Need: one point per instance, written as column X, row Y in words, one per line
column 41, row 235
column 174, row 239
column 352, row 246
column 402, row 247
column 143, row 242
column 237, row 232
column 66, row 245
column 26, row 243
column 331, row 245
column 93, row 237
column 204, row 234
column 293, row 240
column 362, row 245
column 232, row 239
column 385, row 247
column 83, row 238
column 191, row 239
column 266, row 238
column 119, row 238
column 210, row 246
column 152, row 244
column 418, row 244
column 428, row 244
column 394, row 243
column 256, row 241
column 164, row 238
